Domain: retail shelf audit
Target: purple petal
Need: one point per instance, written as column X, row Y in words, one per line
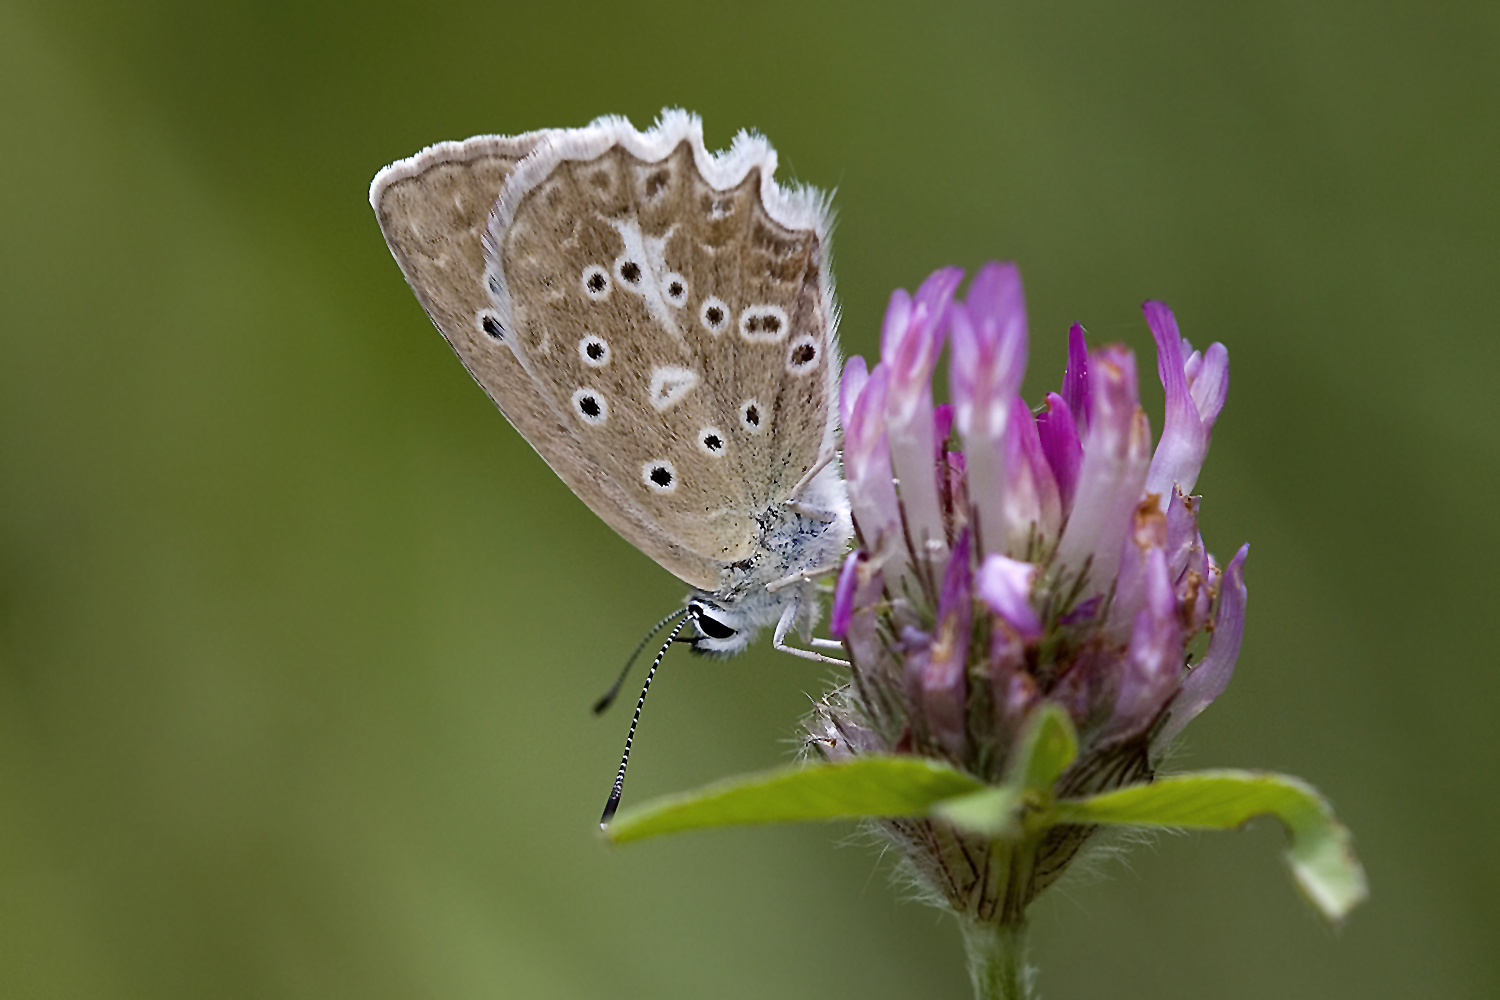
column 911, row 336
column 1161, row 599
column 1116, row 455
column 1088, row 687
column 942, row 425
column 1147, row 536
column 944, row 675
column 1191, row 360
column 997, row 307
column 935, row 294
column 963, row 363
column 897, row 318
column 1195, row 589
column 985, row 370
column 980, row 422
column 1005, row 585
column 855, row 391
column 1083, row 611
column 988, row 365
column 1184, row 437
column 958, row 493
column 1182, row 532
column 1211, row 676
column 843, row 595
column 1059, row 437
column 1020, row 695
column 1012, row 690
column 867, row 470
column 1075, row 387
column 1187, row 562
column 1211, row 384
column 1033, row 510
column 957, row 583
column 1149, row 674
column 871, row 659
column 850, row 386
column 910, row 350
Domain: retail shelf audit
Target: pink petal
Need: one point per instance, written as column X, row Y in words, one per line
column 1005, row 585
column 1059, row 436
column 1211, row 676
column 1116, row 455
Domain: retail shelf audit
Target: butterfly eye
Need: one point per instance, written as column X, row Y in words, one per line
column 711, row 627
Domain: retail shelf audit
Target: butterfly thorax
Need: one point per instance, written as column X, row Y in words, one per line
column 796, row 543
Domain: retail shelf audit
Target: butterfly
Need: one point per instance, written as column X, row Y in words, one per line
column 658, row 322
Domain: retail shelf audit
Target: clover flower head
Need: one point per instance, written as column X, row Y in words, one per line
column 1011, row 558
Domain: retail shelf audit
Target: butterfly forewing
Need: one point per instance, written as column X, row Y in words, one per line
column 432, row 209
column 681, row 332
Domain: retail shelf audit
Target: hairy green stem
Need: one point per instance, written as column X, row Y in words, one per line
column 997, row 960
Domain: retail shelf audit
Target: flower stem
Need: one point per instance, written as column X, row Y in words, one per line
column 997, row 960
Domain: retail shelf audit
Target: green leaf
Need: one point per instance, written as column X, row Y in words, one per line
column 873, row 785
column 1320, row 856
column 993, row 812
column 1043, row 752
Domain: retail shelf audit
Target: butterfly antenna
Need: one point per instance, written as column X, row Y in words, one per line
column 608, row 698
column 614, row 793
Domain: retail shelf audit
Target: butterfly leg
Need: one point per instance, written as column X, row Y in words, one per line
column 807, row 510
column 811, row 473
column 803, row 576
column 778, row 639
column 808, row 654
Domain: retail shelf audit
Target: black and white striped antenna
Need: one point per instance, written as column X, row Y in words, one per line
column 614, row 793
column 608, row 698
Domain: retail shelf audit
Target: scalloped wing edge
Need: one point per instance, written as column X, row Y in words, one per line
column 798, row 206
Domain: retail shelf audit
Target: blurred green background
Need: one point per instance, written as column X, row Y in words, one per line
column 298, row 637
